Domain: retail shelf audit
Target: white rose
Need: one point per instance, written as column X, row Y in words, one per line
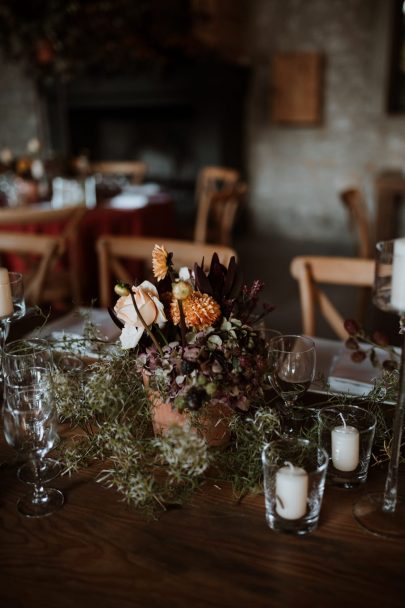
column 150, row 308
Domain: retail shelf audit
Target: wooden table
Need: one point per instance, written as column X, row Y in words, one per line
column 212, row 553
column 389, row 188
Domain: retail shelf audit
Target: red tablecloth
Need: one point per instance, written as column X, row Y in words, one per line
column 155, row 219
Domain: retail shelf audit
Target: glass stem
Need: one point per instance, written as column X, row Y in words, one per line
column 391, row 483
column 39, row 494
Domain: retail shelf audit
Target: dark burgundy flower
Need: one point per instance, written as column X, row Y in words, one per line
column 380, row 338
column 358, row 356
column 352, row 344
column 351, row 326
column 390, row 365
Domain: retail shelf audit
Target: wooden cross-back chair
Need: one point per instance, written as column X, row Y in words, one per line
column 60, row 227
column 113, row 251
column 211, row 181
column 354, row 201
column 42, row 250
column 313, row 271
column 135, row 170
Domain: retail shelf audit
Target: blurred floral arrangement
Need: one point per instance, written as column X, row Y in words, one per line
column 22, row 175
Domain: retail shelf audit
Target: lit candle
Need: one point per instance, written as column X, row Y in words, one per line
column 6, row 299
column 345, row 447
column 291, row 491
column 398, row 276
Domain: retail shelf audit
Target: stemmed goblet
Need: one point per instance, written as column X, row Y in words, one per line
column 20, row 358
column 30, row 427
column 383, row 513
column 292, row 360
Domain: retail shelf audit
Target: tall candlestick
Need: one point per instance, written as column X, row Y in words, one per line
column 6, row 299
column 398, row 276
column 291, row 491
column 345, row 447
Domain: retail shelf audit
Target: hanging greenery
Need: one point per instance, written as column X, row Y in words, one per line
column 64, row 39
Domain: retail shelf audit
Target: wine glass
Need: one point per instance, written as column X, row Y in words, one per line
column 292, row 360
column 30, row 427
column 383, row 513
column 19, row 357
column 16, row 310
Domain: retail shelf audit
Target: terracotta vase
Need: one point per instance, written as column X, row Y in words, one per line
column 215, row 422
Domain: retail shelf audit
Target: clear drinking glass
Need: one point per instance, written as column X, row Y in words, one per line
column 346, row 432
column 294, row 473
column 29, row 362
column 30, row 427
column 292, row 361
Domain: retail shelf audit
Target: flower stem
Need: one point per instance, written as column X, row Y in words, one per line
column 182, row 323
column 181, row 311
column 145, row 326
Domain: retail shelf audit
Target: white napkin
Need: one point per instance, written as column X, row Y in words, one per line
column 346, row 376
column 129, row 201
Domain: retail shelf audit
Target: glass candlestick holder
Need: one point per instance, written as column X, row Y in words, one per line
column 383, row 513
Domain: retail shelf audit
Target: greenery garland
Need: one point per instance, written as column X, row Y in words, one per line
column 109, row 415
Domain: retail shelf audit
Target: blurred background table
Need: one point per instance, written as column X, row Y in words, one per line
column 147, row 214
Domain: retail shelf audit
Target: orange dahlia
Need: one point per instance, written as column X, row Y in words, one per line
column 200, row 310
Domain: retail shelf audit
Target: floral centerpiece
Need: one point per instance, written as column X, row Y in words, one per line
column 190, row 346
column 193, row 334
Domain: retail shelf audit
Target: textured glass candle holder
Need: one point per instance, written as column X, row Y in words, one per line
column 294, row 479
column 347, row 432
column 383, row 513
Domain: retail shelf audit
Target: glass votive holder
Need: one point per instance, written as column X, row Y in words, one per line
column 294, row 473
column 346, row 432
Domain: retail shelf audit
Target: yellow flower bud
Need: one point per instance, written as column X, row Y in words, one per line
column 181, row 290
column 121, row 289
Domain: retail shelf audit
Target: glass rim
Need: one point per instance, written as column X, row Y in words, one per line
column 335, row 409
column 300, row 441
column 39, row 341
column 310, row 344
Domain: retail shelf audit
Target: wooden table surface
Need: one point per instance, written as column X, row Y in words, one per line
column 99, row 552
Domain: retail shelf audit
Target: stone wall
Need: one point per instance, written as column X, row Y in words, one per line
column 20, row 115
column 295, row 173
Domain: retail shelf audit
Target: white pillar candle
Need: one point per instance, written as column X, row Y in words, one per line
column 6, row 299
column 345, row 447
column 398, row 276
column 291, row 491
